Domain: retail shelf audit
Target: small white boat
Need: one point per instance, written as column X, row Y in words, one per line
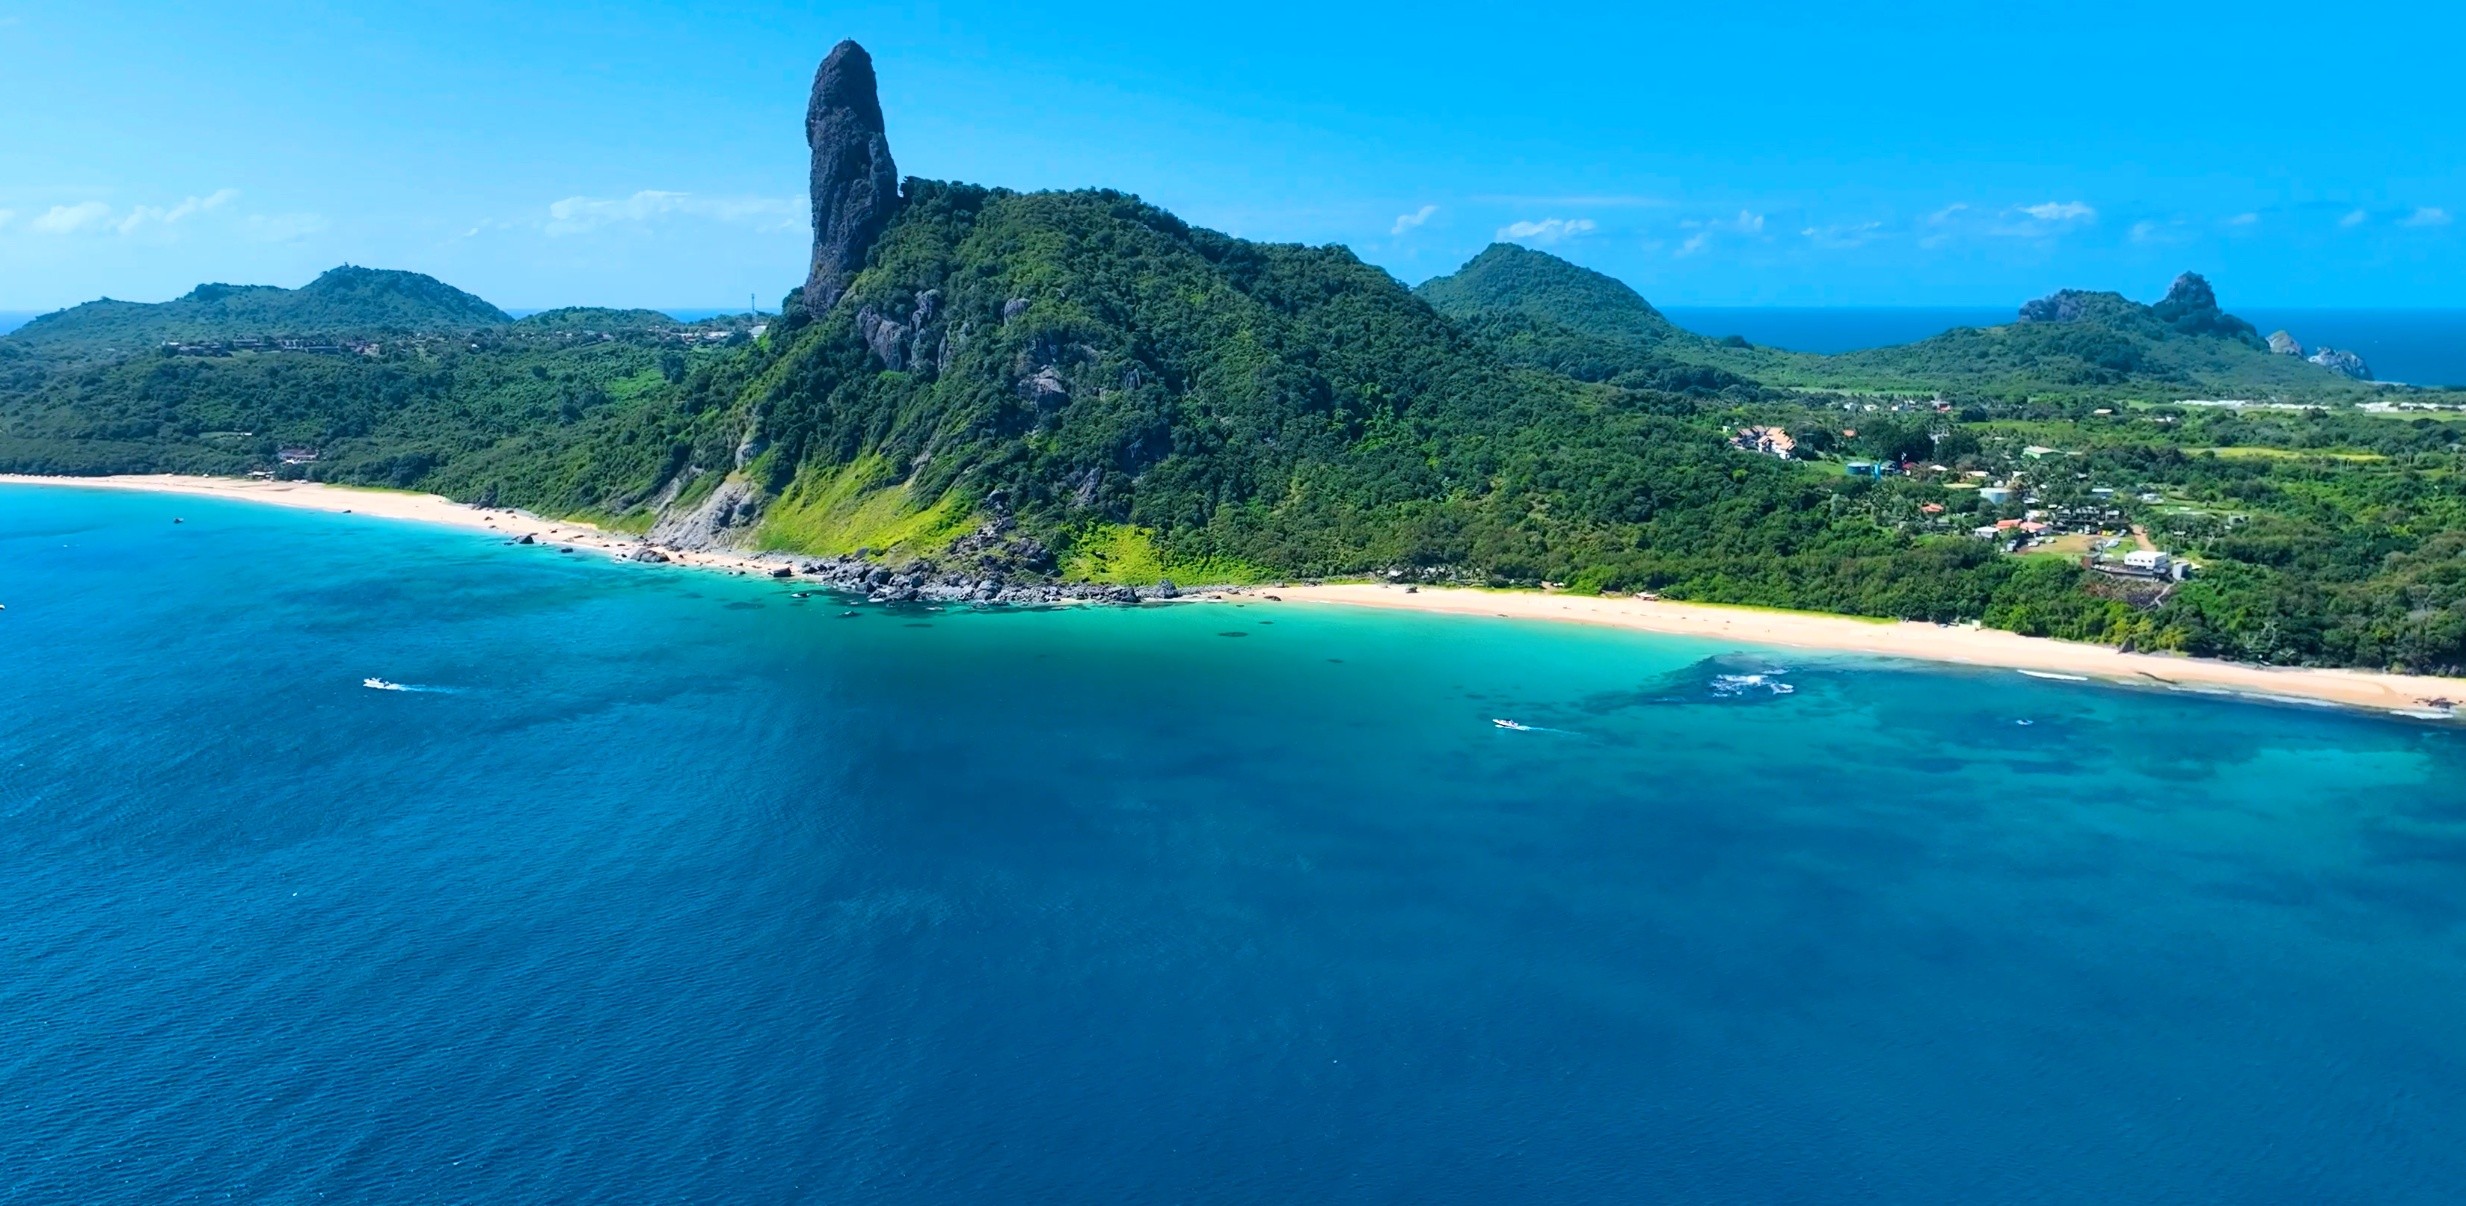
column 379, row 684
column 1509, row 724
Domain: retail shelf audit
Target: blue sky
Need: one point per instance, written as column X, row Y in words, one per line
column 1793, row 154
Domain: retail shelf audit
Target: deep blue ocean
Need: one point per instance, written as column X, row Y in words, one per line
column 661, row 886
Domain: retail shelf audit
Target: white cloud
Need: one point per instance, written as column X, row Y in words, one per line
column 1406, row 223
column 2354, row 218
column 7, row 216
column 1938, row 229
column 2429, row 215
column 2244, row 220
column 1547, row 230
column 1747, row 222
column 2146, row 232
column 2045, row 220
column 70, row 219
column 1844, row 237
column 574, row 215
column 1580, row 201
column 2061, row 211
column 148, row 215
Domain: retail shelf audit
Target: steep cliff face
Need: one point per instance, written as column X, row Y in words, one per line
column 855, row 184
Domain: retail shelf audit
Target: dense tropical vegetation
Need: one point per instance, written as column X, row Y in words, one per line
column 1153, row 399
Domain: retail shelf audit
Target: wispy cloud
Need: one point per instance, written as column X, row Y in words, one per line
column 2045, row 220
column 7, row 216
column 1844, row 237
column 1940, row 226
column 70, row 219
column 575, row 215
column 144, row 216
column 1581, row 201
column 2061, row 211
column 1748, row 222
column 1407, row 223
column 2244, row 220
column 2354, row 218
column 2429, row 215
column 1546, row 230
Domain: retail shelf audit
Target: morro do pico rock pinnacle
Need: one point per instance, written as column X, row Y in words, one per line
column 855, row 184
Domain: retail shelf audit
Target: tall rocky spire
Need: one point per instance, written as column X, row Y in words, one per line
column 855, row 184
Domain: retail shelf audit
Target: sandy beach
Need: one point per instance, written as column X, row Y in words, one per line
column 400, row 504
column 2413, row 695
column 2399, row 693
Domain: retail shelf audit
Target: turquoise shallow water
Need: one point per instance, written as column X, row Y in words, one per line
column 667, row 887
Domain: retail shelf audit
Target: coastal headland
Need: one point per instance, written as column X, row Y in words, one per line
column 2417, row 696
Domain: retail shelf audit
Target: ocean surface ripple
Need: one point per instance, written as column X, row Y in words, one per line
column 654, row 896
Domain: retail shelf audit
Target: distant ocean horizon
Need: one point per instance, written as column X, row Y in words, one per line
column 2418, row 347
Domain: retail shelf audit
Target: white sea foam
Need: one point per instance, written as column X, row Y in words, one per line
column 1728, row 685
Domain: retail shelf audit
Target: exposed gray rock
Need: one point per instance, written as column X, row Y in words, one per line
column 2284, row 344
column 1014, row 308
column 885, row 338
column 732, row 507
column 649, row 554
column 1045, row 389
column 1085, row 496
column 2191, row 308
column 1166, row 590
column 914, row 343
column 2344, row 364
column 2063, row 305
column 855, row 186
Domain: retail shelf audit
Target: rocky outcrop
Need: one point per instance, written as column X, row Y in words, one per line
column 2063, row 305
column 2191, row 308
column 2344, row 364
column 727, row 514
column 1045, row 390
column 855, row 184
column 2284, row 344
column 914, row 343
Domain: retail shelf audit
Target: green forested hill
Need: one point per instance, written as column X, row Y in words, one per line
column 343, row 301
column 1105, row 373
column 1539, row 309
column 1148, row 399
column 1536, row 309
column 597, row 319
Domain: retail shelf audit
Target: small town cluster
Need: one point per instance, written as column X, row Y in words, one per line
column 2015, row 506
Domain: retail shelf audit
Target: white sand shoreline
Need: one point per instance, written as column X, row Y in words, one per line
column 2400, row 694
column 2038, row 657
column 403, row 505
